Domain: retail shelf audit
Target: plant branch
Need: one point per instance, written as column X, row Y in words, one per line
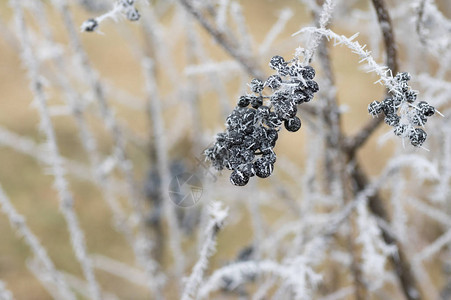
column 225, row 41
column 353, row 143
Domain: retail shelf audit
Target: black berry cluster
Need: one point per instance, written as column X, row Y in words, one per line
column 402, row 113
column 247, row 145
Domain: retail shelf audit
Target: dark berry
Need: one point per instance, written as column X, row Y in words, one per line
column 273, row 120
column 400, row 129
column 417, row 137
column 392, row 119
column 263, row 168
column 411, row 96
column 244, row 101
column 274, row 82
column 90, row 25
column 308, row 72
column 404, row 76
column 256, row 85
column 256, row 102
column 374, row 108
column 419, row 119
column 313, row 86
column 426, row 109
column 286, row 110
column 238, row 178
column 263, row 111
column 388, row 107
column 293, row 124
column 248, row 169
column 277, row 62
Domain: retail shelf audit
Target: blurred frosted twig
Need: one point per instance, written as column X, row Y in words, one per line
column 120, row 269
column 323, row 20
column 5, row 294
column 82, row 287
column 385, row 23
column 18, row 223
column 87, row 137
column 295, row 275
column 107, row 113
column 430, row 211
column 217, row 216
column 156, row 116
column 28, row 147
column 225, row 41
column 60, row 183
column 240, row 23
column 434, row 247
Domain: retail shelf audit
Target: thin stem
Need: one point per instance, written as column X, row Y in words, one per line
column 352, row 144
column 225, row 41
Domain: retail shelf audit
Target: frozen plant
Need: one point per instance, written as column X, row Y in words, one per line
column 410, row 115
column 253, row 131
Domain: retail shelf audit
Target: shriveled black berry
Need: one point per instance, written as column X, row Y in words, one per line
column 417, row 137
column 426, row 109
column 286, row 110
column 293, row 124
column 274, row 82
column 256, row 102
column 256, row 85
column 263, row 111
column 403, row 76
column 90, row 25
column 244, row 101
column 419, row 119
column 277, row 62
column 308, row 72
column 248, row 169
column 272, row 136
column 374, row 108
column 392, row 119
column 400, row 130
column 238, row 178
column 411, row 96
column 273, row 120
column 387, row 106
column 313, row 86
column 263, row 168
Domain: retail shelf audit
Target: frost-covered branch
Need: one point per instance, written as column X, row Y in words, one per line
column 19, row 223
column 56, row 162
column 217, row 217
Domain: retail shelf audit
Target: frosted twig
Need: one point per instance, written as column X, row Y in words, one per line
column 433, row 213
column 295, row 275
column 225, row 41
column 383, row 72
column 156, row 115
column 60, row 183
column 324, row 18
column 120, row 269
column 217, row 217
column 18, row 223
column 106, row 112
